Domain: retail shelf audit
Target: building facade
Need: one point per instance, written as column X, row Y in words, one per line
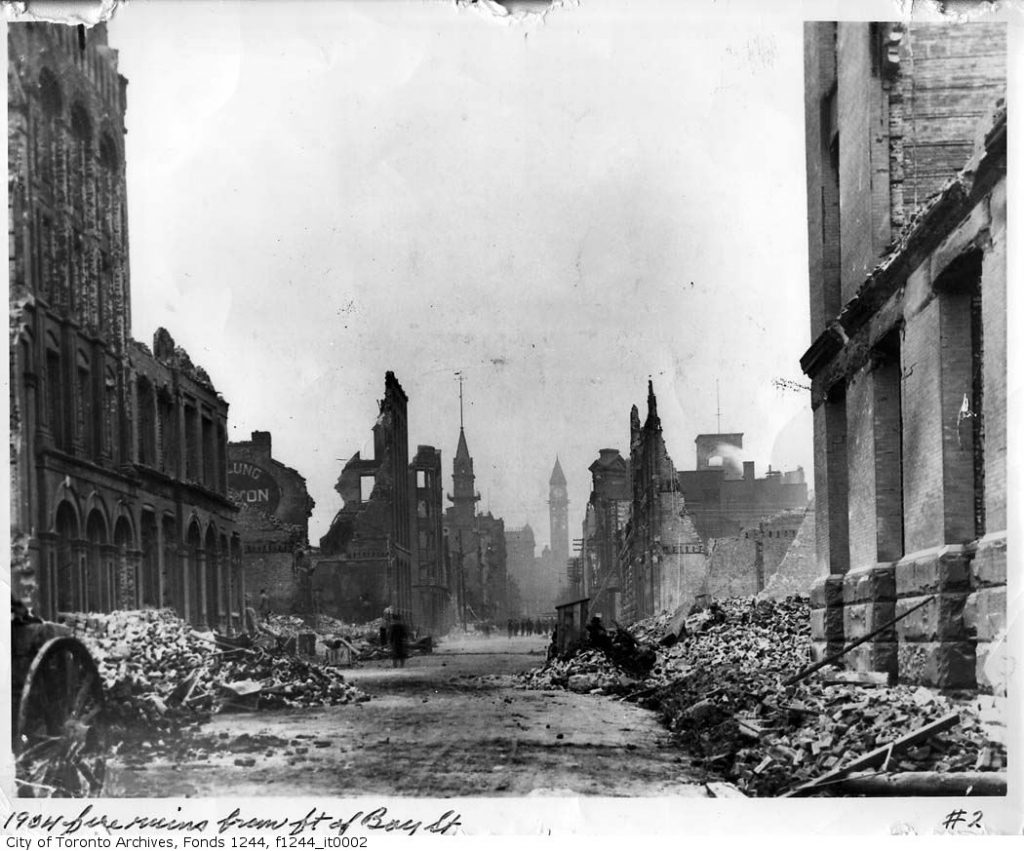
column 662, row 556
column 273, row 524
column 723, row 494
column 365, row 560
column 430, row 572
column 603, row 527
column 118, row 452
column 906, row 183
column 476, row 547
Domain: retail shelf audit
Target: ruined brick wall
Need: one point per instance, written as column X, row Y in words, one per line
column 799, row 568
column 906, row 396
column 863, row 156
column 273, row 523
column 70, row 238
column 731, row 567
column 946, row 84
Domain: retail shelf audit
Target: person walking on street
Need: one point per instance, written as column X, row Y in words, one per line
column 399, row 637
column 264, row 605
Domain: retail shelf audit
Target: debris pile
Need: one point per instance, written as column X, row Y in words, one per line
column 159, row 671
column 615, row 666
column 719, row 684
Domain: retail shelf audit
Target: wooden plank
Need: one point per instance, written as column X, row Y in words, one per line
column 828, row 660
column 879, row 755
column 924, row 783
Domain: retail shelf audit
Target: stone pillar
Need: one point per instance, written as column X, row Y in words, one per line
column 832, row 535
column 938, row 449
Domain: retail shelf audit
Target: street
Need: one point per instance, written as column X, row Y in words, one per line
column 448, row 724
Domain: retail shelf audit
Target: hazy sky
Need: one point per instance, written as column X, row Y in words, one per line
column 320, row 192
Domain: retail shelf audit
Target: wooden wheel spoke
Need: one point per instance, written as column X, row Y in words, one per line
column 60, row 735
column 82, row 694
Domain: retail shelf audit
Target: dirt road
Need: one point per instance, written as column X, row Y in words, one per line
column 448, row 724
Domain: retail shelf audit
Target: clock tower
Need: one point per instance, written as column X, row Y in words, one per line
column 558, row 510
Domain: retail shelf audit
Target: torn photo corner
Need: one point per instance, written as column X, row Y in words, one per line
column 592, row 424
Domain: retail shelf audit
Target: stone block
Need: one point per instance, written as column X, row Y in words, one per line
column 942, row 619
column 873, row 656
column 992, row 669
column 989, row 564
column 943, row 570
column 875, row 584
column 985, row 613
column 860, row 619
column 827, row 591
column 827, row 624
column 950, row 664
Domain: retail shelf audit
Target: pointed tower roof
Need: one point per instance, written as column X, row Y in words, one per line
column 653, row 421
column 557, row 476
column 462, row 452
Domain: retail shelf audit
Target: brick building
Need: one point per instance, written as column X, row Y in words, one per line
column 476, row 546
column 365, row 560
column 906, row 187
column 662, row 557
column 723, row 495
column 118, row 452
column 273, row 524
column 603, row 526
column 432, row 595
column 522, row 567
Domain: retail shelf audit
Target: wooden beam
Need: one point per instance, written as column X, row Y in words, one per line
column 879, row 755
column 924, row 783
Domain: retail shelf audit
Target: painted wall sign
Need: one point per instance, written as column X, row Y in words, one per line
column 252, row 487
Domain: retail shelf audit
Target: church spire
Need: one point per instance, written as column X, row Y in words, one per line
column 653, row 421
column 557, row 476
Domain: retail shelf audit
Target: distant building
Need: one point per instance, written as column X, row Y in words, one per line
column 273, row 522
column 118, row 452
column 906, row 187
column 522, row 567
column 662, row 558
column 604, row 524
column 724, row 497
column 476, row 546
column 558, row 514
column 430, row 574
column 365, row 561
column 740, row 565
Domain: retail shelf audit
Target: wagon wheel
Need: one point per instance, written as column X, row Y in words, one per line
column 60, row 741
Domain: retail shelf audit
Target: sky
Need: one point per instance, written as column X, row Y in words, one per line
column 557, row 207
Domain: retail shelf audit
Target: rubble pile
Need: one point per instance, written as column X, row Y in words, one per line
column 616, row 667
column 159, row 671
column 587, row 672
column 721, row 691
column 719, row 685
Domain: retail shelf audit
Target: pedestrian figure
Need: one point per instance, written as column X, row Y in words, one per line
column 553, row 647
column 399, row 636
column 264, row 605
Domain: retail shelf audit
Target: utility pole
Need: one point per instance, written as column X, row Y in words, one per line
column 718, row 407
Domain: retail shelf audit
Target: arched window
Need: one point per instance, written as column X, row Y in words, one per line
column 213, row 581
column 55, row 394
column 50, row 96
column 78, row 171
column 147, row 422
column 97, row 580
column 124, row 592
column 111, row 417
column 86, row 409
column 193, row 548
column 52, row 102
column 66, row 578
